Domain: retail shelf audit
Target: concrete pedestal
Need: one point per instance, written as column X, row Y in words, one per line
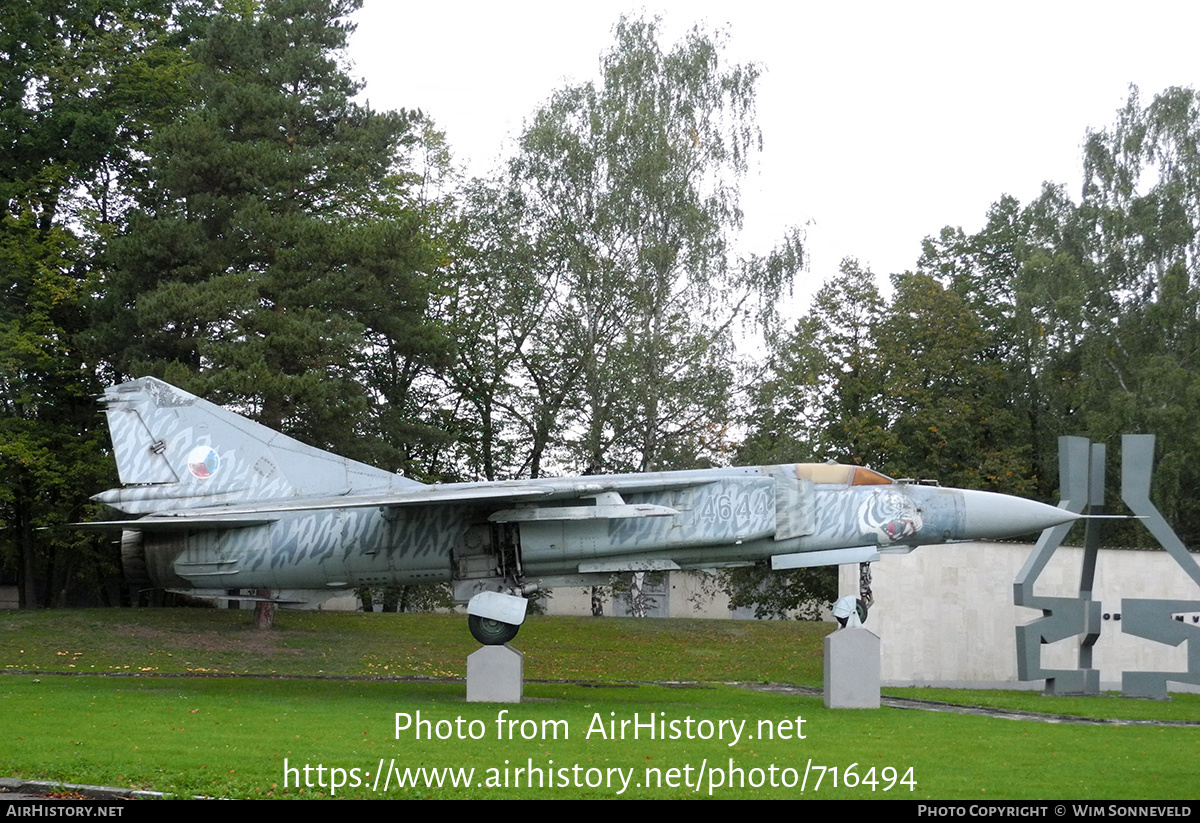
column 496, row 674
column 852, row 669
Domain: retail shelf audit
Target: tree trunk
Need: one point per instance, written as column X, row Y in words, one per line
column 637, row 597
column 28, row 589
column 264, row 612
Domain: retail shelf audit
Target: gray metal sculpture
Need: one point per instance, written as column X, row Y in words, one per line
column 228, row 503
column 1150, row 618
column 1062, row 617
column 1081, row 477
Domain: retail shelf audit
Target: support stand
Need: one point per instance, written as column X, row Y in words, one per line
column 495, row 674
column 852, row 669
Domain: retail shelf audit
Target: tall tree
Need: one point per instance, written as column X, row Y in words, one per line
column 1140, row 358
column 1092, row 309
column 630, row 185
column 822, row 397
column 81, row 87
column 943, row 399
column 1023, row 277
column 280, row 247
column 506, row 399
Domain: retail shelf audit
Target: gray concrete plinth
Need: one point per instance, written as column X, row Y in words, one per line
column 495, row 674
column 852, row 669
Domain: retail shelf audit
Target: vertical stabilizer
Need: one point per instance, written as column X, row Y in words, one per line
column 175, row 450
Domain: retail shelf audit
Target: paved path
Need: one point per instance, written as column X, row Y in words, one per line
column 983, row 711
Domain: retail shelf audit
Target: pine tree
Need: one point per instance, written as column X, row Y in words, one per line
column 278, row 252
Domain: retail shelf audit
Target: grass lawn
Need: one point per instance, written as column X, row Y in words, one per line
column 436, row 645
column 231, row 737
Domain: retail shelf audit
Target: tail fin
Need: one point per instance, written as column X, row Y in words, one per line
column 178, row 451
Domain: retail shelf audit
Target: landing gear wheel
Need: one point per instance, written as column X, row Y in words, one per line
column 491, row 632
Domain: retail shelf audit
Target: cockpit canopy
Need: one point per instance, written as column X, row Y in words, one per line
column 839, row 474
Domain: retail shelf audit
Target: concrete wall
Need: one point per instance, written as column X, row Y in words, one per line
column 946, row 614
column 679, row 595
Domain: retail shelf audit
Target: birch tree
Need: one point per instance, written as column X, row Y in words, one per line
column 630, row 185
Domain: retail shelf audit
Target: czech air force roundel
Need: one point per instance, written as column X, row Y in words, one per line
column 203, row 462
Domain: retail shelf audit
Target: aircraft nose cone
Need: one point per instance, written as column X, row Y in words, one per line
column 990, row 515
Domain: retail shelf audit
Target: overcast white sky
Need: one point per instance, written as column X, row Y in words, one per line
column 882, row 121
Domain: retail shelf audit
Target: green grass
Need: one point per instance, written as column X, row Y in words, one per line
column 230, row 737
column 435, row 645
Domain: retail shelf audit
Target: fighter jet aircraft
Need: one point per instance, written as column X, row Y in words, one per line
column 230, row 504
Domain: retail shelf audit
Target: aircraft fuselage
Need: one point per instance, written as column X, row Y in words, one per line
column 730, row 519
column 231, row 504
